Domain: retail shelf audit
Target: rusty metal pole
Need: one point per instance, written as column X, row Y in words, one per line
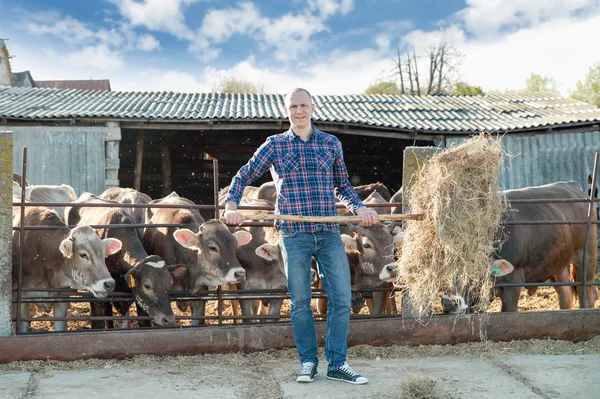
column 6, row 171
column 582, row 298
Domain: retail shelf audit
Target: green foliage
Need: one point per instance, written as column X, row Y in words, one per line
column 588, row 90
column 464, row 89
column 233, row 85
column 383, row 87
column 539, row 83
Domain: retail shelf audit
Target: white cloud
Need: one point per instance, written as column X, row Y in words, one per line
column 327, row 8
column 383, row 41
column 99, row 57
column 290, row 35
column 488, row 17
column 65, row 28
column 560, row 49
column 220, row 25
column 147, row 43
column 157, row 15
column 161, row 80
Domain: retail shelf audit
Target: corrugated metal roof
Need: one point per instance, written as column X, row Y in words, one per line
column 89, row 84
column 494, row 112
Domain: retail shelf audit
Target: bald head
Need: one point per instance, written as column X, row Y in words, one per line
column 289, row 95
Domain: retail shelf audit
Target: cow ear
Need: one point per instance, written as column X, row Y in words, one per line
column 130, row 276
column 187, row 238
column 113, row 245
column 178, row 271
column 268, row 251
column 72, row 216
column 353, row 227
column 243, row 237
column 399, row 239
column 501, row 267
column 66, row 247
column 349, row 243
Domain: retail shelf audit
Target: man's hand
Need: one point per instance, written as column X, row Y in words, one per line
column 232, row 216
column 368, row 216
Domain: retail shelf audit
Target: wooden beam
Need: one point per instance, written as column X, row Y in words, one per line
column 139, row 158
column 165, row 153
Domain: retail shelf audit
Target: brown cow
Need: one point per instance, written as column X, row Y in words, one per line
column 371, row 256
column 209, row 249
column 129, row 196
column 60, row 258
column 367, row 189
column 540, row 253
column 147, row 277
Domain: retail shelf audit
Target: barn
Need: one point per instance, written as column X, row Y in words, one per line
column 160, row 142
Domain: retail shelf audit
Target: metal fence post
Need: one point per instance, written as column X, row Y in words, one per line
column 6, row 171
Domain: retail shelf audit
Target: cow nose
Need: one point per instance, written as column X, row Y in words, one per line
column 241, row 275
column 167, row 320
column 392, row 268
column 109, row 285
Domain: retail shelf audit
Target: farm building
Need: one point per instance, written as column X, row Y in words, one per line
column 90, row 139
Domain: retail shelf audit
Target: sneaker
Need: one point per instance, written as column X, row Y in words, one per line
column 346, row 374
column 308, row 372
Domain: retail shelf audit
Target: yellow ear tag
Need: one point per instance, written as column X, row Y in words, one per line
column 131, row 281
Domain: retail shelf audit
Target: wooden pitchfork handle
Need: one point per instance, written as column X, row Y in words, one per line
column 330, row 219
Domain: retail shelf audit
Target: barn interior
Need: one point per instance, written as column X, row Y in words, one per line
column 189, row 154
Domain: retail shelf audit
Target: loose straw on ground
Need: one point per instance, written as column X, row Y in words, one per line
column 450, row 249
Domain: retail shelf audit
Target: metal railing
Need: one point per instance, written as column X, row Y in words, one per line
column 219, row 295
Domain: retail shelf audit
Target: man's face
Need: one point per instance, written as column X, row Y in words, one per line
column 299, row 110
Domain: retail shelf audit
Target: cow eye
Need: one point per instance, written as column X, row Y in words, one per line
column 84, row 256
column 213, row 248
column 147, row 286
column 367, row 246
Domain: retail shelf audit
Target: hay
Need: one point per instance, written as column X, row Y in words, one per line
column 451, row 249
column 421, row 387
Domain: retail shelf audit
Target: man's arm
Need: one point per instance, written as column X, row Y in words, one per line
column 345, row 192
column 256, row 166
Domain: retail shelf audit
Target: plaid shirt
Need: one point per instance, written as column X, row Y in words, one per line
column 308, row 176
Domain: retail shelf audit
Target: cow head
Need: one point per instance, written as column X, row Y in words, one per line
column 371, row 255
column 85, row 254
column 457, row 304
column 150, row 282
column 272, row 253
column 216, row 247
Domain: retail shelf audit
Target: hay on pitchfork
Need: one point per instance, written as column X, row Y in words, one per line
column 451, row 249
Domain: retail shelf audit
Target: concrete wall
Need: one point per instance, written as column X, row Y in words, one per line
column 6, row 171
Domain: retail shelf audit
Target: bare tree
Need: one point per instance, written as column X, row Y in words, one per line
column 444, row 61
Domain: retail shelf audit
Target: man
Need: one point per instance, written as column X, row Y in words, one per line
column 307, row 165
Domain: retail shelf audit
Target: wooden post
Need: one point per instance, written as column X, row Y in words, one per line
column 414, row 159
column 165, row 152
column 111, row 156
column 6, row 173
column 139, row 158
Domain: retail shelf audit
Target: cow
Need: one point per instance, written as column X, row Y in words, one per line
column 540, row 253
column 129, row 196
column 397, row 199
column 208, row 248
column 147, row 277
column 367, row 189
column 59, row 258
column 370, row 253
column 537, row 253
column 48, row 194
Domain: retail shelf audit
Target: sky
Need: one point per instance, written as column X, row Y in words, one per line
column 326, row 46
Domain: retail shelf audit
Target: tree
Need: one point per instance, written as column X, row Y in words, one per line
column 588, row 90
column 232, row 85
column 539, row 83
column 464, row 89
column 383, row 87
column 441, row 77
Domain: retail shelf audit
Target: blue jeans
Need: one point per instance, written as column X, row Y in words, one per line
column 328, row 249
